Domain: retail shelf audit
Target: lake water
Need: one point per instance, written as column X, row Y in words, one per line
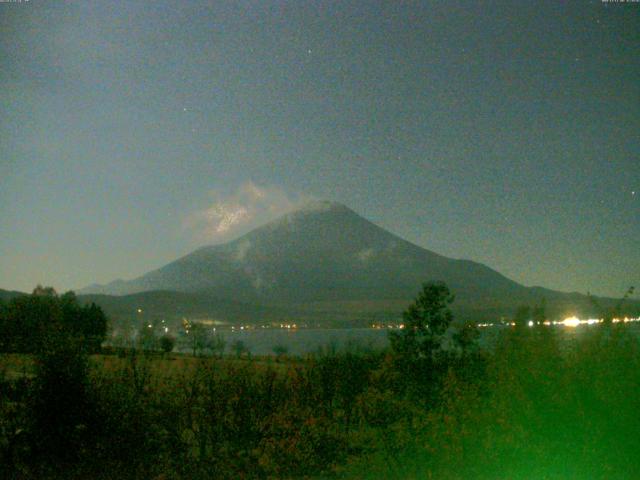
column 304, row 340
column 307, row 340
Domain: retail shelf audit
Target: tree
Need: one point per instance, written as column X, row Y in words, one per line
column 218, row 344
column 41, row 291
column 28, row 320
column 88, row 320
column 94, row 326
column 167, row 343
column 466, row 338
column 239, row 348
column 62, row 412
column 199, row 338
column 539, row 313
column 522, row 315
column 280, row 350
column 608, row 314
column 124, row 337
column 146, row 338
column 425, row 322
column 4, row 327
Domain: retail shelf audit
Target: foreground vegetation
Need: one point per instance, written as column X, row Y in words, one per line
column 535, row 406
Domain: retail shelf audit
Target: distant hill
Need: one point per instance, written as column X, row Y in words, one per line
column 170, row 305
column 326, row 261
column 6, row 295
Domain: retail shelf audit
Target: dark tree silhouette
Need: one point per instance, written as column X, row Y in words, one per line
column 608, row 314
column 239, row 348
column 466, row 338
column 167, row 343
column 539, row 312
column 522, row 315
column 62, row 413
column 27, row 321
column 280, row 350
column 425, row 322
column 199, row 338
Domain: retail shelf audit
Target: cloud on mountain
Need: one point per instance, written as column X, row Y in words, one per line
column 249, row 206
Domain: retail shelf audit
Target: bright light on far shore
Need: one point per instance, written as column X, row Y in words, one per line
column 575, row 321
column 571, row 322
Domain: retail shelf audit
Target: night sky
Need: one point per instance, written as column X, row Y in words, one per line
column 503, row 132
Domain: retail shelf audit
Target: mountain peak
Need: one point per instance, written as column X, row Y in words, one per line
column 313, row 212
column 323, row 251
column 318, row 215
column 321, row 206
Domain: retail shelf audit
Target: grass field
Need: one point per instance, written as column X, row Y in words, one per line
column 532, row 407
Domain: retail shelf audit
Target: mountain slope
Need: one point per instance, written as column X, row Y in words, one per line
column 6, row 295
column 171, row 305
column 328, row 260
column 324, row 251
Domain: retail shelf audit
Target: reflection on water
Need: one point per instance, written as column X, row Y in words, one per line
column 310, row 340
column 307, row 340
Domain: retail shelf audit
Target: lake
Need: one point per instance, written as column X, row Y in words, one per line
column 310, row 340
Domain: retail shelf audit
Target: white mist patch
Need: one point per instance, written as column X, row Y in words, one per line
column 226, row 217
column 232, row 215
column 309, row 207
column 241, row 251
column 365, row 255
column 258, row 281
